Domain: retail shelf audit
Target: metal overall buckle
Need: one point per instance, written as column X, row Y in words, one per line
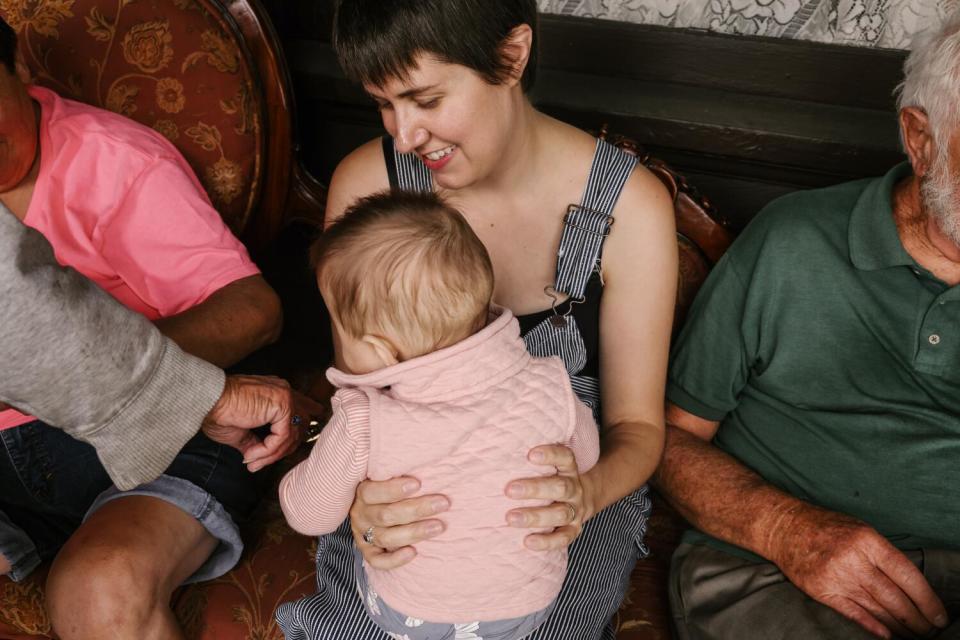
column 558, row 319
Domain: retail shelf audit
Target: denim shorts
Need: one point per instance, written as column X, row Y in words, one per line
column 52, row 483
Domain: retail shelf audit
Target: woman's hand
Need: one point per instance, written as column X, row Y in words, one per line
column 386, row 522
column 572, row 495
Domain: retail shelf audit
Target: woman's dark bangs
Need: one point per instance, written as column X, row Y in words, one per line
column 376, row 58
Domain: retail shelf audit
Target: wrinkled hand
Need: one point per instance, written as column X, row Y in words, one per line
column 399, row 521
column 572, row 500
column 846, row 565
column 249, row 402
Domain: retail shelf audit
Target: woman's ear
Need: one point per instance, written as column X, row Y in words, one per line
column 383, row 349
column 516, row 50
column 917, row 139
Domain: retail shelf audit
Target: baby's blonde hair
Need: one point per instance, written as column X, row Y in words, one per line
column 406, row 267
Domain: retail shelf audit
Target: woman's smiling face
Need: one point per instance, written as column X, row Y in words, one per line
column 455, row 121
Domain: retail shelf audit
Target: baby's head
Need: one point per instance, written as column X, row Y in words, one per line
column 402, row 275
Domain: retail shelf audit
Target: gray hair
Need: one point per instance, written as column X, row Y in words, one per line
column 932, row 78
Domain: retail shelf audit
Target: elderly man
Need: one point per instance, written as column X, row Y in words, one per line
column 117, row 203
column 814, row 402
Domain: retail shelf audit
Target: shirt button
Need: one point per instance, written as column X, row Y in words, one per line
column 934, row 339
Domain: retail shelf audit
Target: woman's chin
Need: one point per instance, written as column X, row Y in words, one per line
column 451, row 181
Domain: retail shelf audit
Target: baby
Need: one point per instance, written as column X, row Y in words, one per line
column 440, row 387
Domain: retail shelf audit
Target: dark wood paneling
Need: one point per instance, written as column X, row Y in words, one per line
column 792, row 69
column 746, row 118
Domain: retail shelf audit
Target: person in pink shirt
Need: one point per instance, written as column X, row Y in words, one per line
column 121, row 206
column 442, row 388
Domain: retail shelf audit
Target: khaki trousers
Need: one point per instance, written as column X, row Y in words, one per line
column 718, row 596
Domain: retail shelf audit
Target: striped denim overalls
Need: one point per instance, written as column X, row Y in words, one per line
column 602, row 558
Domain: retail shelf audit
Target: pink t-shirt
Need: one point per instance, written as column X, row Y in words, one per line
column 120, row 205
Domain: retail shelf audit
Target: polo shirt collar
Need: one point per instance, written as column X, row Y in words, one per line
column 874, row 241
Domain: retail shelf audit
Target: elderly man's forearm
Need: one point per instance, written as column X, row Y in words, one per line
column 235, row 321
column 720, row 496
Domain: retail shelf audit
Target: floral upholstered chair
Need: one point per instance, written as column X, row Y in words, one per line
column 211, row 78
column 208, row 77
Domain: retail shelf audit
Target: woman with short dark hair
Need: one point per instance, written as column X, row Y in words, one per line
column 450, row 78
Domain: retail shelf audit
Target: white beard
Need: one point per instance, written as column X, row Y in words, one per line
column 941, row 199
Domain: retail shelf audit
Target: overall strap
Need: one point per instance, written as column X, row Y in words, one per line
column 405, row 170
column 586, row 226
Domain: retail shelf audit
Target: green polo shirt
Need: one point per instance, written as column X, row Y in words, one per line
column 832, row 361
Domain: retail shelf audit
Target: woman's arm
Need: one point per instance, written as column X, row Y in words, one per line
column 636, row 316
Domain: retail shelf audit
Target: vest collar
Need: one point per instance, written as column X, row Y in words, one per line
column 482, row 360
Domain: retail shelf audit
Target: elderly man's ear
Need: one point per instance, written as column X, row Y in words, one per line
column 917, row 139
column 23, row 71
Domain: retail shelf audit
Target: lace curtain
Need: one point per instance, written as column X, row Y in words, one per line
column 869, row 23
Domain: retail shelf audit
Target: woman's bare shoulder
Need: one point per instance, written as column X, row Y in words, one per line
column 362, row 172
column 567, row 141
column 644, row 216
column 643, row 191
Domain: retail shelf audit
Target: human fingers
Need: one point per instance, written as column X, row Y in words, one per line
column 558, row 488
column 854, row 611
column 268, row 451
column 559, row 538
column 891, row 613
column 406, row 511
column 387, row 491
column 246, row 442
column 910, row 580
column 555, row 455
column 406, row 515
column 556, row 514
column 386, row 560
column 894, row 607
column 393, row 538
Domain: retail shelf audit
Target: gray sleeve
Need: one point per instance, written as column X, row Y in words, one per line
column 74, row 357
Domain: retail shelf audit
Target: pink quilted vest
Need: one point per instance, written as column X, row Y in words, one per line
column 462, row 420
